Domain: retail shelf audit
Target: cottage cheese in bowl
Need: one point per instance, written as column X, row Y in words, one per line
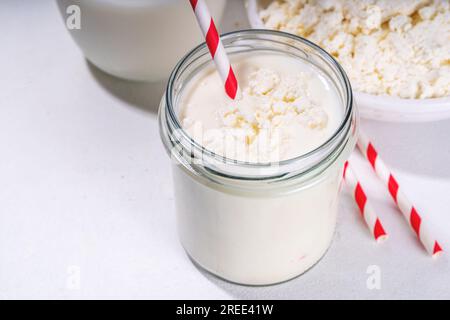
column 396, row 53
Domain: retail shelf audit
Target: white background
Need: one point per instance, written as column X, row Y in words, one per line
column 85, row 186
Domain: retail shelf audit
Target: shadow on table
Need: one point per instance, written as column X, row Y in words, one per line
column 145, row 96
column 418, row 148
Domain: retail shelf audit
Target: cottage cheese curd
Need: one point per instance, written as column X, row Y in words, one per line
column 399, row 48
column 288, row 108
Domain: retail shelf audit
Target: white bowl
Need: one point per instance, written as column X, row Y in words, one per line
column 383, row 108
column 136, row 39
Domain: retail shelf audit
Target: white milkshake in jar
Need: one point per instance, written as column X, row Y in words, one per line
column 256, row 195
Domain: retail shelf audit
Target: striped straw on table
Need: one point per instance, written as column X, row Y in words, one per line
column 216, row 47
column 367, row 211
column 410, row 213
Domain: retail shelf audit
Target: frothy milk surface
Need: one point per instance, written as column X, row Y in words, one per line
column 288, row 107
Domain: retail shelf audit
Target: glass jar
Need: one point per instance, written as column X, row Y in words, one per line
column 249, row 223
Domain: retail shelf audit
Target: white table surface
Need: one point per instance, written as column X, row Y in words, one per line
column 86, row 190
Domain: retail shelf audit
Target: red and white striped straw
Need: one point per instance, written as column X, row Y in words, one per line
column 367, row 211
column 408, row 210
column 216, row 47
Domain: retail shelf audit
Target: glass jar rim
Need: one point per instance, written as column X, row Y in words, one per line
column 349, row 103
